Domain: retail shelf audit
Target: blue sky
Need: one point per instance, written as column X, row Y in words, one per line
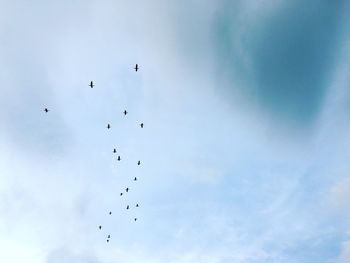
column 246, row 141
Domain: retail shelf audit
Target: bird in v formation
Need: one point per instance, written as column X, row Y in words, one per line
column 91, row 85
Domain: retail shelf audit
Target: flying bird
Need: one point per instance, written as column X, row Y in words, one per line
column 135, row 218
column 135, row 179
column 107, row 240
column 46, row 110
column 137, row 205
column 127, row 189
column 110, row 213
column 91, row 84
column 125, row 112
column 141, row 125
column 127, row 207
column 100, row 227
column 138, row 163
column 118, row 158
column 136, row 67
column 114, row 150
column 109, row 236
column 121, row 194
column 108, row 126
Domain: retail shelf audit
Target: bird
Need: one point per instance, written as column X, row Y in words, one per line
column 125, row 112
column 139, row 162
column 100, row 227
column 141, row 125
column 127, row 189
column 114, row 150
column 135, row 179
column 127, row 207
column 137, row 205
column 135, row 218
column 91, row 84
column 107, row 240
column 109, row 236
column 121, row 194
column 108, row 126
column 118, row 158
column 136, row 67
column 46, row 110
column 110, row 213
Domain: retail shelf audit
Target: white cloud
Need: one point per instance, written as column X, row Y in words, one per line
column 340, row 195
column 345, row 253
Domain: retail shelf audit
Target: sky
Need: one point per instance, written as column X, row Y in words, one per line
column 246, row 140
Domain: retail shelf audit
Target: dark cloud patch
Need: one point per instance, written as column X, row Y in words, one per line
column 289, row 55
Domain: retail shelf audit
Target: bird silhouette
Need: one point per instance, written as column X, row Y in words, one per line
column 139, row 162
column 127, row 207
column 107, row 240
column 136, row 67
column 46, row 110
column 109, row 236
column 114, row 150
column 118, row 158
column 137, row 205
column 121, row 194
column 127, row 189
column 100, row 227
column 135, row 179
column 108, row 126
column 141, row 125
column 135, row 218
column 110, row 213
column 125, row 112
column 91, row 84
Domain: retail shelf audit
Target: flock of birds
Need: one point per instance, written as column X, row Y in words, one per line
column 118, row 158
